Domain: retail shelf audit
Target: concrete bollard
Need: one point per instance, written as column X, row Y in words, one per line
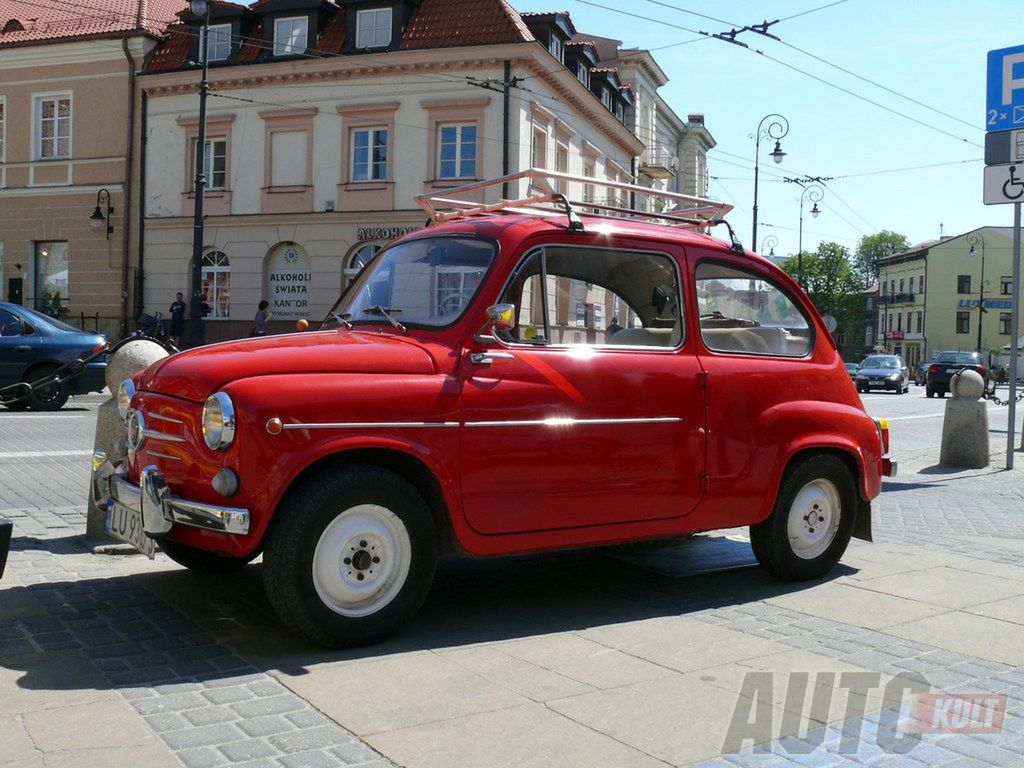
column 965, row 424
column 110, row 432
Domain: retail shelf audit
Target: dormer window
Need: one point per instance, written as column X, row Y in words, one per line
column 606, row 98
column 555, row 47
column 291, row 35
column 583, row 73
column 218, row 44
column 373, row 28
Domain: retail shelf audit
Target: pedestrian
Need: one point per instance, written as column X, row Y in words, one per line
column 177, row 318
column 259, row 325
column 613, row 327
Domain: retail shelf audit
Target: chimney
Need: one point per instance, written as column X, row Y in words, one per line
column 697, row 119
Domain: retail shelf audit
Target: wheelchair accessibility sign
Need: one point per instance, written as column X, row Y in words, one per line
column 1004, row 184
column 1005, row 89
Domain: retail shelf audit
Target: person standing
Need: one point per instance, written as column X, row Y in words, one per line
column 177, row 318
column 259, row 325
column 613, row 327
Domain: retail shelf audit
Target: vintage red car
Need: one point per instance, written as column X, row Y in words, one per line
column 512, row 378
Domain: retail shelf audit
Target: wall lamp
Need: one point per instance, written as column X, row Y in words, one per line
column 97, row 222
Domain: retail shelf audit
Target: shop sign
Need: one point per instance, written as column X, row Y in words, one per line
column 383, row 233
column 894, row 334
column 289, row 281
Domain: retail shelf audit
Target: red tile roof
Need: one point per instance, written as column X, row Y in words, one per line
column 173, row 53
column 252, row 44
column 89, row 18
column 333, row 36
column 450, row 23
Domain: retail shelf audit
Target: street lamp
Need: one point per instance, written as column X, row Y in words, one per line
column 98, row 222
column 776, row 129
column 769, row 242
column 814, row 193
column 974, row 239
column 201, row 9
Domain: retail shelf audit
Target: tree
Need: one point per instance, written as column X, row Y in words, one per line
column 870, row 249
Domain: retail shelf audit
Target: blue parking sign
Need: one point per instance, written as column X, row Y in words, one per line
column 1005, row 89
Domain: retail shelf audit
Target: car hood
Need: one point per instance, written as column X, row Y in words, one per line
column 198, row 373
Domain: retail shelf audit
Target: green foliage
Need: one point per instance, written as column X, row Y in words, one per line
column 829, row 279
column 870, row 249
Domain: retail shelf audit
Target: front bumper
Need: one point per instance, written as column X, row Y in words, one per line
column 160, row 510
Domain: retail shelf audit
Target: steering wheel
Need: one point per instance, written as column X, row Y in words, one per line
column 453, row 302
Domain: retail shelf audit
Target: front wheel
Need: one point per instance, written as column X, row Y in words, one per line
column 350, row 556
column 812, row 521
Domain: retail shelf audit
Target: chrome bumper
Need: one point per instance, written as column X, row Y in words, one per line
column 160, row 510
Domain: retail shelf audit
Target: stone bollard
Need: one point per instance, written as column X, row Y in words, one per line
column 965, row 425
column 110, row 432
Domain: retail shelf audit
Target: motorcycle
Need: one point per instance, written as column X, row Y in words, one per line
column 150, row 327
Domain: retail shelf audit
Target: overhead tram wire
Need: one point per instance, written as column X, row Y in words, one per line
column 813, row 10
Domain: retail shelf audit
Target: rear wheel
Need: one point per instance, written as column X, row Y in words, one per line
column 812, row 521
column 350, row 556
column 928, row 391
column 50, row 397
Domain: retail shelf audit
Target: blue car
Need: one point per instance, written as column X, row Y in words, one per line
column 33, row 345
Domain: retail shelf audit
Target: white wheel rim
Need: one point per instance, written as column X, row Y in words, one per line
column 814, row 519
column 362, row 560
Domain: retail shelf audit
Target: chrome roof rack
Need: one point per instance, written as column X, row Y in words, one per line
column 549, row 192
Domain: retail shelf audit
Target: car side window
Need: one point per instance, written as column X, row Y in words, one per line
column 596, row 296
column 9, row 324
column 744, row 312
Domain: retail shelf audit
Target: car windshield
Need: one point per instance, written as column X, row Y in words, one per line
column 424, row 282
column 958, row 358
column 880, row 362
column 51, row 321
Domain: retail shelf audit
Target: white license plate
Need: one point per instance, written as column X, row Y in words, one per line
column 952, row 370
column 877, row 381
column 126, row 524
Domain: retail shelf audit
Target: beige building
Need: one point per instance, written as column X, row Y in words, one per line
column 67, row 144
column 326, row 120
column 930, row 296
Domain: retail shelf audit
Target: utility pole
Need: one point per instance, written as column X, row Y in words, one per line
column 199, row 8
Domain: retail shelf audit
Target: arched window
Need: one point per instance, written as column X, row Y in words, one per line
column 217, row 284
column 357, row 259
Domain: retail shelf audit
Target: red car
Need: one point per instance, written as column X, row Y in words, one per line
column 509, row 379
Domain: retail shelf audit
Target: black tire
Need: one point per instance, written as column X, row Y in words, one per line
column 929, row 392
column 318, row 511
column 201, row 561
column 51, row 397
column 770, row 538
column 17, row 405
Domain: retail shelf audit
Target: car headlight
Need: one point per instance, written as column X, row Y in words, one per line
column 894, row 376
column 861, row 376
column 218, row 421
column 125, row 392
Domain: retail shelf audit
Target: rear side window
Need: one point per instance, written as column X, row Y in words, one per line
column 743, row 312
column 598, row 296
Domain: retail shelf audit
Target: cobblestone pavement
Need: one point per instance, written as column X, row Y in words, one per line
column 208, row 670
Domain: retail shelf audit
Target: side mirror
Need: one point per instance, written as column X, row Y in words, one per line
column 830, row 323
column 502, row 316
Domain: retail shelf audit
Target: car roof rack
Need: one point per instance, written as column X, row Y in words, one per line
column 548, row 193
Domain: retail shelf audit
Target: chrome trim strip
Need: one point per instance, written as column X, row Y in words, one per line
column 557, row 421
column 160, row 417
column 165, row 455
column 378, row 425
column 152, row 434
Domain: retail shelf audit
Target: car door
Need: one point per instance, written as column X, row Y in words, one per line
column 15, row 353
column 572, row 421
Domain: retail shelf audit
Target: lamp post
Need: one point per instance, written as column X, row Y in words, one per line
column 200, row 8
column 814, row 193
column 98, row 222
column 776, row 129
column 769, row 242
column 974, row 239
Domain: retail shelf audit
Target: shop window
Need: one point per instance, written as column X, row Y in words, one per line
column 216, row 285
column 51, row 277
column 287, row 281
column 358, row 258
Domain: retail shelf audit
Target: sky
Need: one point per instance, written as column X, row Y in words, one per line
column 932, row 51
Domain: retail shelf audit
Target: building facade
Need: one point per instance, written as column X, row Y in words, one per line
column 67, row 147
column 326, row 120
column 931, row 295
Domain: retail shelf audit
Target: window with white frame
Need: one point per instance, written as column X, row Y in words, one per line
column 217, row 284
column 373, row 28
column 370, row 154
column 561, row 165
column 539, row 148
column 215, row 162
column 290, row 35
column 218, row 43
column 583, row 73
column 53, row 127
column 606, row 98
column 556, row 47
column 456, row 151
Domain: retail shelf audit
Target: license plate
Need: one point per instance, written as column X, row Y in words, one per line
column 952, row 370
column 126, row 524
column 877, row 381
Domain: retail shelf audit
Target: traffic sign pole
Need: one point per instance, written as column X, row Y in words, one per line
column 1014, row 336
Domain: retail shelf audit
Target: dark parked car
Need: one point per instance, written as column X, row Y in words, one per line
column 945, row 365
column 852, row 368
column 883, row 372
column 33, row 344
column 921, row 374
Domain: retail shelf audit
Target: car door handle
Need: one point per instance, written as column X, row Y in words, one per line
column 23, row 348
column 486, row 358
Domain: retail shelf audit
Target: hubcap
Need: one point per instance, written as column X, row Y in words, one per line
column 814, row 519
column 361, row 560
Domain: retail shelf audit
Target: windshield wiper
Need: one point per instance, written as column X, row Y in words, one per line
column 342, row 319
column 387, row 313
